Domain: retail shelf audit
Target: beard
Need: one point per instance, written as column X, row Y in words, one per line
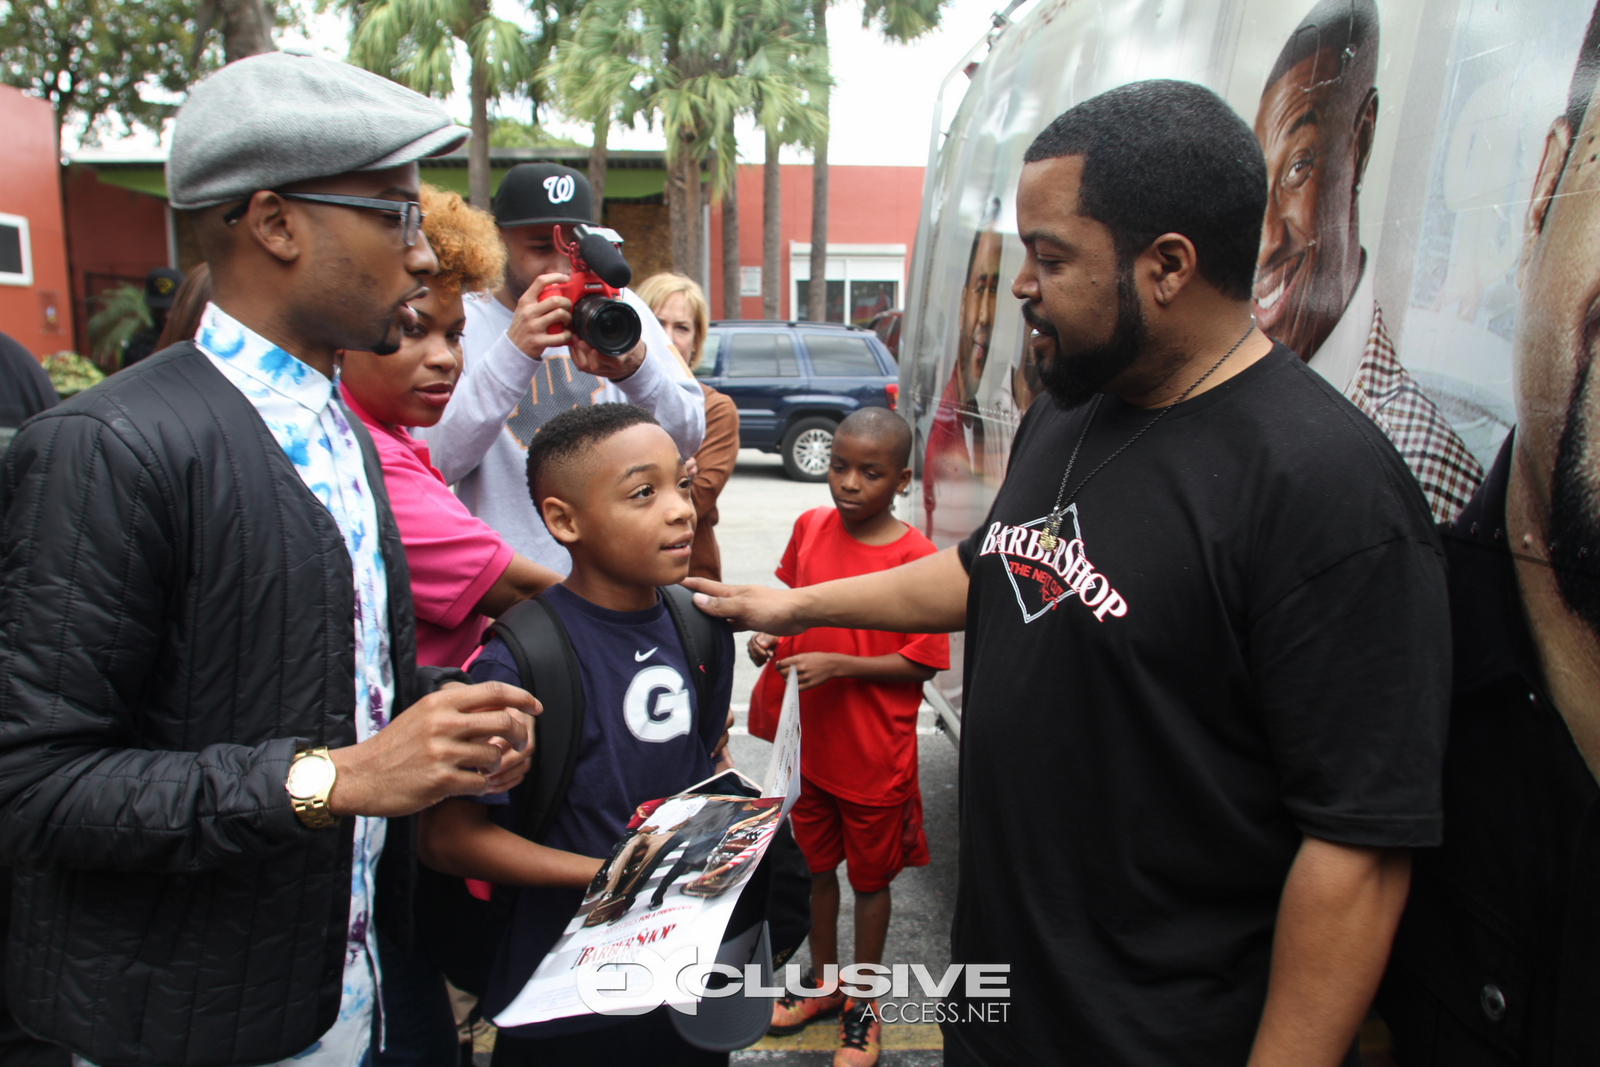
column 1072, row 380
column 516, row 284
column 1573, row 536
column 339, row 313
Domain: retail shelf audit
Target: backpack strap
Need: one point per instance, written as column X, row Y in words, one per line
column 702, row 642
column 549, row 670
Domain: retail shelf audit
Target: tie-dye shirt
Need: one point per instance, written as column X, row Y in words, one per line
column 297, row 404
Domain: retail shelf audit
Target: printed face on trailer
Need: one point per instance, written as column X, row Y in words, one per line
column 1557, row 335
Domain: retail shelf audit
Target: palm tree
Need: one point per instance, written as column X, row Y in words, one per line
column 783, row 75
column 595, row 76
column 554, row 22
column 898, row 20
column 731, row 305
column 792, row 111
column 246, row 27
column 659, row 59
column 771, row 228
column 694, row 65
column 414, row 42
column 696, row 94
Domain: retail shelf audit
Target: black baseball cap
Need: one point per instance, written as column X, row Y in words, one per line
column 533, row 193
column 160, row 286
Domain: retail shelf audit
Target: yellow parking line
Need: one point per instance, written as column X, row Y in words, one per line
column 820, row 1037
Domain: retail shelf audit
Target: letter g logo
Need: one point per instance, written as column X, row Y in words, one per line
column 669, row 717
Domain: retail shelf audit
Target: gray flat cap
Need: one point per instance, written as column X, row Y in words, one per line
column 277, row 118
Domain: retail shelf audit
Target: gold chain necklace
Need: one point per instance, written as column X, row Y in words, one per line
column 1052, row 525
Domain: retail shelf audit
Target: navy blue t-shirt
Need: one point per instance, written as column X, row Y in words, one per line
column 644, row 737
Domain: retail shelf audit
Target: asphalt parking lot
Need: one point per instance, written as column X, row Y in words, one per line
column 758, row 509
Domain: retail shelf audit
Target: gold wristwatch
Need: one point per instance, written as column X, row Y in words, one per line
column 310, row 781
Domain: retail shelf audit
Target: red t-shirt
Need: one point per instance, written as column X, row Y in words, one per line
column 858, row 738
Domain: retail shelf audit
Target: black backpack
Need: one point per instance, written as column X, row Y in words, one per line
column 461, row 933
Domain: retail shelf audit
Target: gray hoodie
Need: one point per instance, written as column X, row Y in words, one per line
column 503, row 397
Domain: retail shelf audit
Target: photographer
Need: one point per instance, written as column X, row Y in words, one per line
column 523, row 366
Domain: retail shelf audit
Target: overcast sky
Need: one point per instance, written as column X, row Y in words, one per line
column 882, row 108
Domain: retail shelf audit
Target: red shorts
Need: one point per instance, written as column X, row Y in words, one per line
column 875, row 842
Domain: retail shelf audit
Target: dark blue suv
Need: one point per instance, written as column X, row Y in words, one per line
column 794, row 381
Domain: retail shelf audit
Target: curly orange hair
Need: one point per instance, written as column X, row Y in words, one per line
column 471, row 256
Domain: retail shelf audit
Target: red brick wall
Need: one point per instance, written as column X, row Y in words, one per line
column 113, row 234
column 866, row 205
column 29, row 186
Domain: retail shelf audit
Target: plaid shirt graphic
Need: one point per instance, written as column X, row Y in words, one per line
column 1391, row 398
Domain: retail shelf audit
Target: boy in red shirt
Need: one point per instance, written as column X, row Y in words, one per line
column 860, row 690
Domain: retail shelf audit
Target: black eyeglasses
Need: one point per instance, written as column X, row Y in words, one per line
column 409, row 211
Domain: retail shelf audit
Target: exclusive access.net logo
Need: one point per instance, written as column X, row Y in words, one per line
column 683, row 979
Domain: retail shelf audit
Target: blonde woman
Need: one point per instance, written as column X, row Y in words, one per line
column 680, row 306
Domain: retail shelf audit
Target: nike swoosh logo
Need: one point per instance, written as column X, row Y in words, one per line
column 640, row 657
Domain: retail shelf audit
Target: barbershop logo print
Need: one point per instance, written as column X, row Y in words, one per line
column 1043, row 579
column 559, row 188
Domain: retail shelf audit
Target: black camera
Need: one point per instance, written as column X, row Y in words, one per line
column 599, row 319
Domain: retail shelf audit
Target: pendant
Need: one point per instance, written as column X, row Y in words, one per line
column 1047, row 539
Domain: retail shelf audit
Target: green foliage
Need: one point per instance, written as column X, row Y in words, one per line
column 553, row 21
column 902, row 20
column 122, row 314
column 509, row 133
column 99, row 60
column 71, row 373
column 415, row 42
column 694, row 65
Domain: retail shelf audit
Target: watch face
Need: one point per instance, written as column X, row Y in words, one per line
column 310, row 776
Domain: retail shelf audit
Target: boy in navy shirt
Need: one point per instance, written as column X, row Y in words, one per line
column 611, row 488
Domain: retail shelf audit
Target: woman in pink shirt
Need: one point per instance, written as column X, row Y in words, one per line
column 462, row 572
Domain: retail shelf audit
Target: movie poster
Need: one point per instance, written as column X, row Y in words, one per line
column 669, row 886
column 1431, row 244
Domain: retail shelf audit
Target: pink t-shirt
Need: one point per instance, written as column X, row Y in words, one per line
column 454, row 558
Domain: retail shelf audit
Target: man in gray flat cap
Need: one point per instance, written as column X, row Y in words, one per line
column 206, row 631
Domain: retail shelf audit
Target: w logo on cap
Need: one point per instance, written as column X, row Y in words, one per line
column 559, row 188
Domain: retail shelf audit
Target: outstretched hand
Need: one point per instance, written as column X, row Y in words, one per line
column 749, row 607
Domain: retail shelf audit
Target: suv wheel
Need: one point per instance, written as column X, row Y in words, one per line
column 808, row 448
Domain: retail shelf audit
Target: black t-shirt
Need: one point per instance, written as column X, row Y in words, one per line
column 1258, row 649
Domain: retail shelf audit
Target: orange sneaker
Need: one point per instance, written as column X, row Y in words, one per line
column 859, row 1032
column 791, row 1014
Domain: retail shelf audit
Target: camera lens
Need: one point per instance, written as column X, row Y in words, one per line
column 608, row 326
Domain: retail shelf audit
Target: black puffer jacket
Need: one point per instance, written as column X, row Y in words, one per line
column 176, row 617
